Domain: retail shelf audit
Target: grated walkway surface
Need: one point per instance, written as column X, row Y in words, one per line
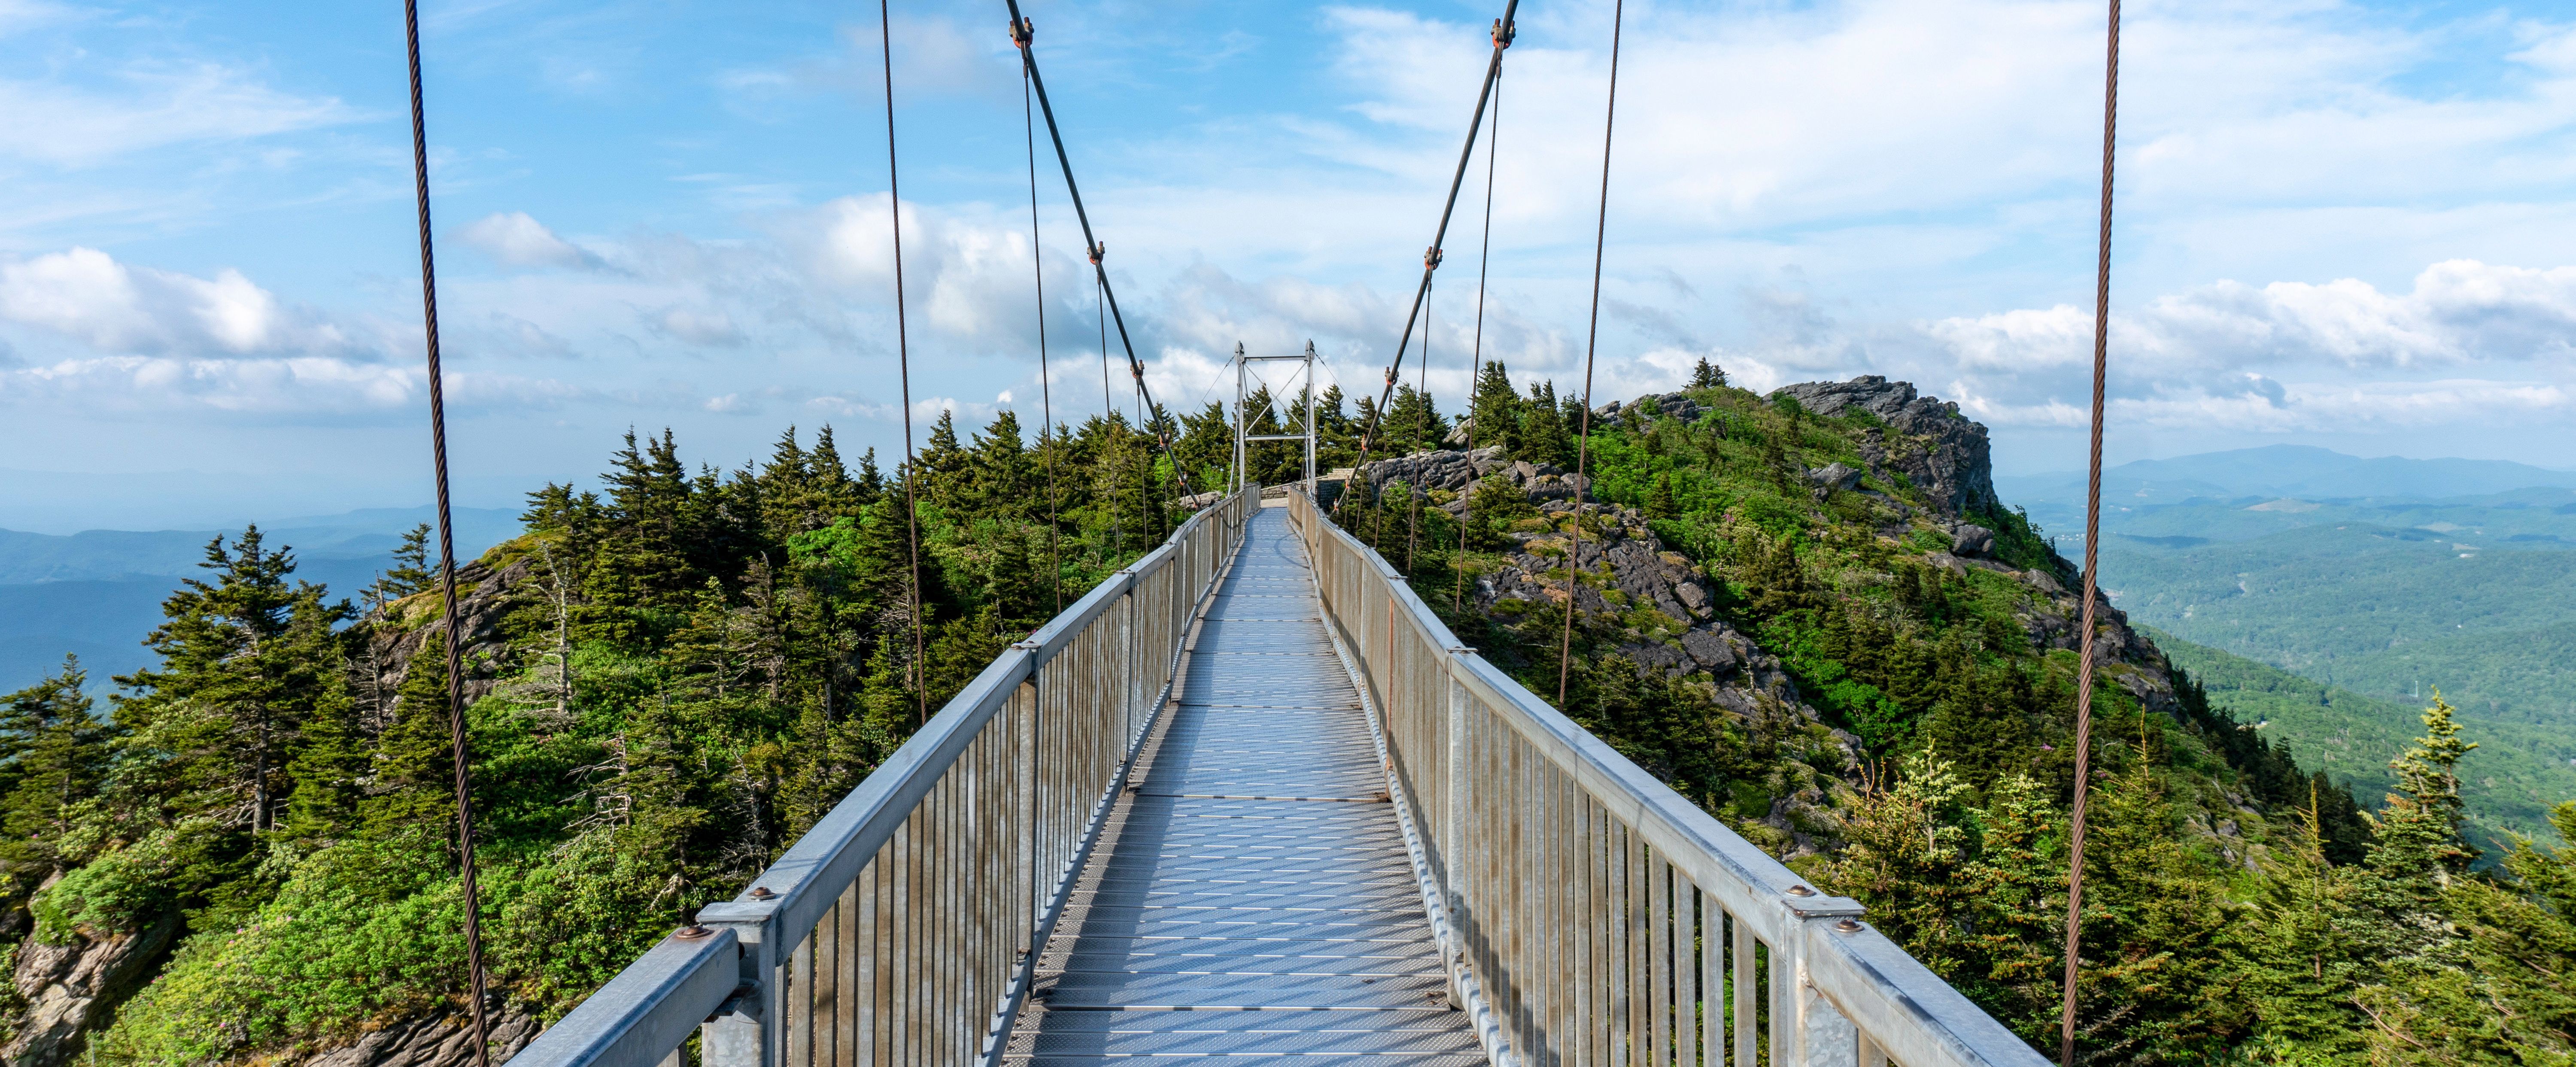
column 1249, row 900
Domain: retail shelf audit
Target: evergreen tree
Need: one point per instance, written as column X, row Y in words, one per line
column 413, row 774
column 245, row 660
column 1006, row 484
column 1495, row 408
column 1659, row 503
column 1413, row 423
column 2418, row 831
column 1707, row 375
column 410, row 572
column 53, row 754
column 1544, row 434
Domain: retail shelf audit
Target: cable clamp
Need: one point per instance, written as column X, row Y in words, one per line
column 1021, row 31
column 1503, row 35
column 1097, row 251
column 1431, row 258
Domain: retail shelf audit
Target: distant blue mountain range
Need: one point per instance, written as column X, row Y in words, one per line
column 2299, row 471
column 97, row 592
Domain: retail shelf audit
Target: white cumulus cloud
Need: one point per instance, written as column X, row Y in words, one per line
column 87, row 295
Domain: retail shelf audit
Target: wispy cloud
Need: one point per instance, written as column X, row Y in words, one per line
column 151, row 105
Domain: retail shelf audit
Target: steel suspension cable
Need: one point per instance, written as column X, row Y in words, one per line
column 1502, row 36
column 1046, row 385
column 1476, row 354
column 1591, row 342
column 903, row 362
column 2092, row 541
column 1109, row 294
column 458, row 750
column 1414, row 494
column 1108, row 400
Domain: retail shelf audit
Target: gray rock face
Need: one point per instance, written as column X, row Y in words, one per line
column 1944, row 453
column 445, row 1040
column 1616, row 413
column 1441, row 468
column 1836, row 476
column 1970, row 539
column 1694, row 640
column 1455, row 471
column 485, row 597
column 70, row 988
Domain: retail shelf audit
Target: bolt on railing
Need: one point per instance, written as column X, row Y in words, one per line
column 903, row 928
column 1599, row 916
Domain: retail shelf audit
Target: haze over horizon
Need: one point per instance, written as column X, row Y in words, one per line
column 2341, row 224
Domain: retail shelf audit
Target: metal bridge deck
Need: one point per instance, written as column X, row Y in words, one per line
column 1249, row 898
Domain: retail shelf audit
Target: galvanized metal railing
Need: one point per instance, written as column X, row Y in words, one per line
column 902, row 928
column 1602, row 917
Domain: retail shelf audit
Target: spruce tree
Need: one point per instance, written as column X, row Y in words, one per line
column 410, row 572
column 1007, row 485
column 245, row 659
column 413, row 788
column 1707, row 375
column 1413, row 422
column 1496, row 410
column 1544, row 430
column 1659, row 502
column 2419, row 830
column 53, row 753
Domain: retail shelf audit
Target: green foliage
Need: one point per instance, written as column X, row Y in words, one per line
column 2378, row 609
column 697, row 667
column 2241, row 905
column 1707, row 375
column 2506, row 783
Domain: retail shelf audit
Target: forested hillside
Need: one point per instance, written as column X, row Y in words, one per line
column 2517, row 774
column 1808, row 611
column 246, row 854
column 2382, row 609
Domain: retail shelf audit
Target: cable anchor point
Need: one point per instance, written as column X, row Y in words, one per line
column 1098, row 250
column 1503, row 35
column 1431, row 258
column 1022, row 31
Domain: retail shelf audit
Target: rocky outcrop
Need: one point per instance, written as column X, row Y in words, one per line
column 1647, row 407
column 485, row 596
column 1652, row 605
column 1935, row 447
column 443, row 1040
column 70, row 989
column 1835, row 476
column 1455, row 471
column 1437, row 468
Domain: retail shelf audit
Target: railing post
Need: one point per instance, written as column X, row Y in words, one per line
column 1453, row 819
column 1823, row 1036
column 744, row 1031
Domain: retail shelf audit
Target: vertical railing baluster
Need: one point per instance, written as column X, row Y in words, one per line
column 1779, row 1015
column 1659, row 962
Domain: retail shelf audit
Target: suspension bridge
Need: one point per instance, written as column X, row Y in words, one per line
column 1250, row 801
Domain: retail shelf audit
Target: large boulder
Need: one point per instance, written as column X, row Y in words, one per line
column 1436, row 468
column 1939, row 450
column 1645, row 408
column 72, row 988
column 445, row 1039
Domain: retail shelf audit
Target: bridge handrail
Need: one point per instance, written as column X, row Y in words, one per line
column 982, row 830
column 1577, row 885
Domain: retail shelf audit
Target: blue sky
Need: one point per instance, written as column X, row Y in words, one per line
column 2340, row 224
